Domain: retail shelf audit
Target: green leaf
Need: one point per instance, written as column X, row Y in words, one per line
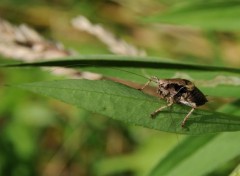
column 132, row 106
column 199, row 155
column 213, row 15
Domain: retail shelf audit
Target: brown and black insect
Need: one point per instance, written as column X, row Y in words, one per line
column 174, row 91
column 178, row 91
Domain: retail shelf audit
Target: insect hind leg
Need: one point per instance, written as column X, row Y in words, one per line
column 187, row 116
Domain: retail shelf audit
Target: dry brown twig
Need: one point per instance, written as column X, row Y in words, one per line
column 116, row 46
column 25, row 44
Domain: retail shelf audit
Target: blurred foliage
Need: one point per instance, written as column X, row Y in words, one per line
column 41, row 136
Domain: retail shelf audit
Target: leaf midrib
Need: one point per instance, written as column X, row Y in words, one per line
column 67, row 88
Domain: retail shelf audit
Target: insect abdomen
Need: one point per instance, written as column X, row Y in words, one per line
column 197, row 97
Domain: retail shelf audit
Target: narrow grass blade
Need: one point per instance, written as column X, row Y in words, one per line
column 123, row 61
column 109, row 65
column 211, row 15
column 236, row 171
column 199, row 155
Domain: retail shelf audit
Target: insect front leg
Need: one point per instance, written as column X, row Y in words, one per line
column 145, row 85
column 187, row 116
column 154, row 79
column 170, row 103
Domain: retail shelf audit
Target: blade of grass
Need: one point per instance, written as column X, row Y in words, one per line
column 109, row 66
column 132, row 106
column 123, row 61
column 200, row 155
column 236, row 171
column 212, row 15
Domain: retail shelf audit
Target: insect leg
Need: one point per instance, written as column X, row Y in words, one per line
column 187, row 116
column 154, row 79
column 145, row 85
column 161, row 108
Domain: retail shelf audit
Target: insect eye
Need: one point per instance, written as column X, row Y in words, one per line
column 154, row 79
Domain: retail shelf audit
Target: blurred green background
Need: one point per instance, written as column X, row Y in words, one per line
column 42, row 136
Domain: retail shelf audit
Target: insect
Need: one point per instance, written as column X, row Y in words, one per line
column 177, row 91
column 174, row 91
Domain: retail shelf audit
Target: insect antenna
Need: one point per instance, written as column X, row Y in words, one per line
column 91, row 65
column 127, row 71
